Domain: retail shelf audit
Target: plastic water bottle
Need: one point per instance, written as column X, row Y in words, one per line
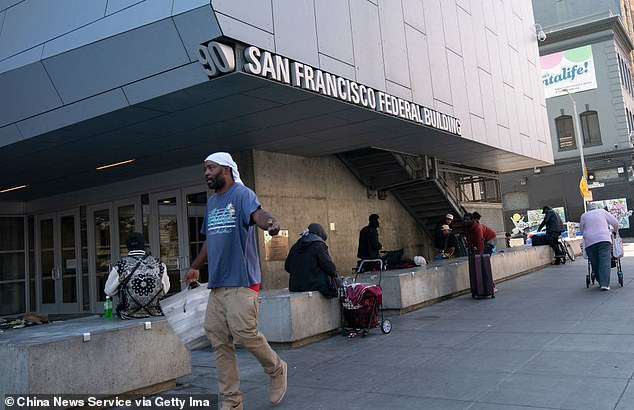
column 344, row 290
column 107, row 308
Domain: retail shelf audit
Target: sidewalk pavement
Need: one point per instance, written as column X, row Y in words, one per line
column 544, row 342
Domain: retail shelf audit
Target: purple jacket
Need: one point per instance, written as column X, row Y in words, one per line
column 595, row 226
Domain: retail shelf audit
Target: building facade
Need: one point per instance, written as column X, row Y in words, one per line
column 604, row 114
column 333, row 109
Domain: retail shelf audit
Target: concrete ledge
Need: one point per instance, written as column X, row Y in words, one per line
column 121, row 356
column 408, row 289
column 294, row 319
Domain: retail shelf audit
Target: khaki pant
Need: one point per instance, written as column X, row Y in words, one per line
column 232, row 317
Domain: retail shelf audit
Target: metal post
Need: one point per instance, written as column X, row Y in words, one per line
column 577, row 128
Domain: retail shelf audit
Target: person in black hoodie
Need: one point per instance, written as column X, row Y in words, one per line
column 369, row 245
column 554, row 228
column 309, row 263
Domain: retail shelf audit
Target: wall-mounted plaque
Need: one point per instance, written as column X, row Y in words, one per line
column 276, row 247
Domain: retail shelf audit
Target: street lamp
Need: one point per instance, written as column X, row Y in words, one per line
column 577, row 128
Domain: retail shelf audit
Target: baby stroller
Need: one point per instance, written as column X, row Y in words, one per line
column 615, row 262
column 361, row 305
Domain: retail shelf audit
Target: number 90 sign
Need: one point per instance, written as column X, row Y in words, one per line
column 216, row 58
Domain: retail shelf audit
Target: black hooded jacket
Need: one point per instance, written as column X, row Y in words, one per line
column 552, row 221
column 309, row 264
column 369, row 245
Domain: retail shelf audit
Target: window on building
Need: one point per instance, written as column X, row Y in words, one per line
column 565, row 133
column 621, row 74
column 590, row 128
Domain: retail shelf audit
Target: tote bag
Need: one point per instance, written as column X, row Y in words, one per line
column 185, row 312
column 617, row 246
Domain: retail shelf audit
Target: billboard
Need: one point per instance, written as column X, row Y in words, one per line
column 571, row 70
column 536, row 216
column 529, row 223
column 618, row 209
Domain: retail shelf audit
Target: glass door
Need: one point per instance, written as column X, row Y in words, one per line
column 69, row 268
column 13, row 267
column 45, row 266
column 128, row 216
column 175, row 221
column 108, row 227
column 166, row 224
column 195, row 200
column 100, row 240
column 58, row 270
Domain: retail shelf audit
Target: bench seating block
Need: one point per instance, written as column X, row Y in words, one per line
column 290, row 317
column 121, row 356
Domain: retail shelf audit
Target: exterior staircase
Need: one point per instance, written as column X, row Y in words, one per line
column 413, row 180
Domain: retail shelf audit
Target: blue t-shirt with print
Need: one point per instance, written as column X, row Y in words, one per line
column 232, row 254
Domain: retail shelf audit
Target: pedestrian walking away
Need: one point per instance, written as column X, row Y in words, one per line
column 596, row 226
column 230, row 251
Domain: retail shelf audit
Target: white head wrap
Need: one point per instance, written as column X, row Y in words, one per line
column 224, row 159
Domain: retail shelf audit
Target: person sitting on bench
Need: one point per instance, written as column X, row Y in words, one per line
column 310, row 265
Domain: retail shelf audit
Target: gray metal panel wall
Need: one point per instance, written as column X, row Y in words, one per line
column 396, row 46
column 82, row 49
column 486, row 47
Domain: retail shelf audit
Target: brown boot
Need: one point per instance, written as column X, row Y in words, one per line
column 278, row 385
column 226, row 405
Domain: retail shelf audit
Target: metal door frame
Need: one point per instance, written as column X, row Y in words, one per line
column 180, row 221
column 138, row 221
column 92, row 249
column 59, row 306
column 187, row 259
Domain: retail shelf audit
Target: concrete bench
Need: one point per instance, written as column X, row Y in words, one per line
column 121, row 356
column 409, row 289
column 292, row 319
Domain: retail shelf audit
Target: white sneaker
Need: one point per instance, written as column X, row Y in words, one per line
column 605, row 288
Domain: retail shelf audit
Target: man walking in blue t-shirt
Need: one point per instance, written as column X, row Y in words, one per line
column 234, row 279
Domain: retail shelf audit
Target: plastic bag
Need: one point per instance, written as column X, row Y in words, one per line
column 185, row 312
column 617, row 246
column 419, row 261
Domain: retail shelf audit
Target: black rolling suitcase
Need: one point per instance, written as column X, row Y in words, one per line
column 481, row 276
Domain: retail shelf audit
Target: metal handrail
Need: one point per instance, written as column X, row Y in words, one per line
column 455, row 202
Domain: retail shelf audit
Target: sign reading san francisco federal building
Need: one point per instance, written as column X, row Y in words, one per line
column 218, row 58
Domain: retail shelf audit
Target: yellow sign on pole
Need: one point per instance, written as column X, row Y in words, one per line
column 585, row 191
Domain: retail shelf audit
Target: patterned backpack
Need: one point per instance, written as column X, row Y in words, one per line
column 140, row 287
